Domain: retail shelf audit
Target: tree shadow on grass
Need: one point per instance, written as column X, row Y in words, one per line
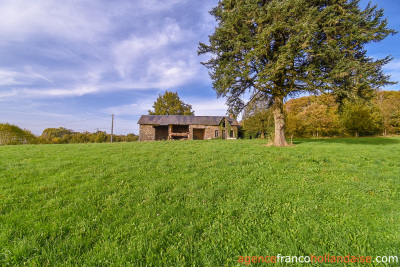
column 352, row 141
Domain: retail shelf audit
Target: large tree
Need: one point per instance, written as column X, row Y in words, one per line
column 279, row 49
column 170, row 104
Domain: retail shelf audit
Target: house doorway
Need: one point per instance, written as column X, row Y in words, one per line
column 161, row 133
column 198, row 134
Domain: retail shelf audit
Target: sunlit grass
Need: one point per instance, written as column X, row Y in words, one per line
column 197, row 203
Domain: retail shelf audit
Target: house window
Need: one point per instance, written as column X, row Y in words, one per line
column 216, row 133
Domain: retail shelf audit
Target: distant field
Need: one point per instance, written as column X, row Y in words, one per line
column 198, row 203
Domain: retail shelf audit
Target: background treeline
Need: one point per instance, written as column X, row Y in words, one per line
column 322, row 116
column 13, row 135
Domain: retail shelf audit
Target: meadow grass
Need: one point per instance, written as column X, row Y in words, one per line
column 198, row 203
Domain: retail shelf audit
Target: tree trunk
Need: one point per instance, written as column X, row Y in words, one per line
column 279, row 139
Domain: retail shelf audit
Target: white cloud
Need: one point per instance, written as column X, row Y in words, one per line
column 48, row 93
column 80, row 20
column 26, row 76
column 160, row 59
column 393, row 69
column 170, row 72
column 158, row 5
column 8, row 78
column 201, row 107
column 393, row 65
column 76, row 20
column 133, row 109
column 209, row 107
column 84, row 49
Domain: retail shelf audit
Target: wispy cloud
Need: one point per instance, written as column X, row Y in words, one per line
column 9, row 78
column 392, row 69
column 209, row 107
column 134, row 109
column 201, row 107
column 86, row 44
column 160, row 58
column 26, row 76
column 73, row 20
column 48, row 93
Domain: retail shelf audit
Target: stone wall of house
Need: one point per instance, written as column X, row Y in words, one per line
column 209, row 131
column 146, row 133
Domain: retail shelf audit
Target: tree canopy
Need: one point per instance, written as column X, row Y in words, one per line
column 276, row 49
column 170, row 104
column 13, row 135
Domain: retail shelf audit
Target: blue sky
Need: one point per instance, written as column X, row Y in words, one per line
column 74, row 63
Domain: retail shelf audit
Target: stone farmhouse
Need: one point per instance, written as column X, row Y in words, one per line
column 179, row 127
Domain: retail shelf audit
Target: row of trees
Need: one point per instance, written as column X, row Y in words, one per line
column 13, row 135
column 322, row 116
column 65, row 136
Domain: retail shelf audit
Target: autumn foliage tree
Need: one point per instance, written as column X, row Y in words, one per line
column 170, row 104
column 279, row 49
column 315, row 116
column 320, row 116
column 59, row 135
column 388, row 103
column 14, row 135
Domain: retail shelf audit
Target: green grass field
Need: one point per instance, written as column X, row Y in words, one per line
column 198, row 203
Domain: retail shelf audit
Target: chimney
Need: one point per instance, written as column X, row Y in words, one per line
column 230, row 115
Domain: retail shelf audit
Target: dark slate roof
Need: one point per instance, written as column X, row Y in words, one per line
column 183, row 120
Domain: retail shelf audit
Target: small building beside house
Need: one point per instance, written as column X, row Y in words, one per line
column 180, row 127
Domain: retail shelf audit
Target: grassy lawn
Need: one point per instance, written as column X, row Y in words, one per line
column 198, row 203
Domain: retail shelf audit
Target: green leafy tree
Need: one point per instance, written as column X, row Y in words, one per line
column 281, row 48
column 170, row 104
column 131, row 137
column 257, row 119
column 359, row 118
column 80, row 138
column 388, row 103
column 59, row 135
column 98, row 137
column 13, row 135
